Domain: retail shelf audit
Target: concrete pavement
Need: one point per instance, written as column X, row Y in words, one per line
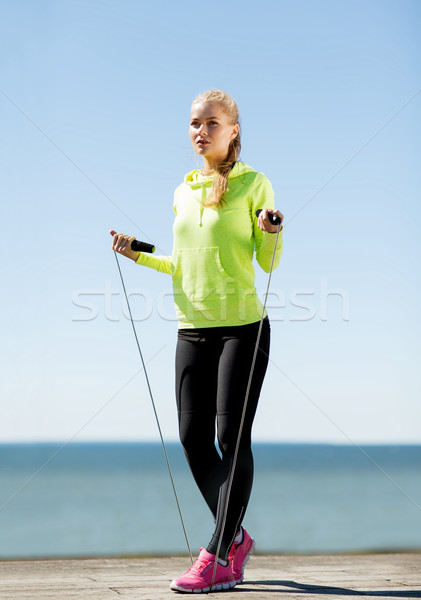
column 267, row 578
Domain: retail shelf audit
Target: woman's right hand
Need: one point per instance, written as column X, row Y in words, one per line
column 122, row 245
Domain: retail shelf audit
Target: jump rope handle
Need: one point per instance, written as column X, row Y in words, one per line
column 274, row 219
column 142, row 247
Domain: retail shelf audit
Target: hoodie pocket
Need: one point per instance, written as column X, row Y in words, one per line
column 199, row 274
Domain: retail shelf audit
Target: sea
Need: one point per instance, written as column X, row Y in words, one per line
column 116, row 499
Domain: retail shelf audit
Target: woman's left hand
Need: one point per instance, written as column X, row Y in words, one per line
column 263, row 220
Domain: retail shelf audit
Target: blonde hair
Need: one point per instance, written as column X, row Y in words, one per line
column 220, row 182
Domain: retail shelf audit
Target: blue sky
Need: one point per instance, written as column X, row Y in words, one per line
column 95, row 99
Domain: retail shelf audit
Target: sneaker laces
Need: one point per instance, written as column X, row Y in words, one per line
column 234, row 547
column 233, row 550
column 199, row 565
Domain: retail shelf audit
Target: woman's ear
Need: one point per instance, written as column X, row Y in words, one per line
column 235, row 131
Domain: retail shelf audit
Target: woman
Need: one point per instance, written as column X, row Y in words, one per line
column 216, row 233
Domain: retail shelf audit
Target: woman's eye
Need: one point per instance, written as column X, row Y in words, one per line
column 213, row 123
column 194, row 124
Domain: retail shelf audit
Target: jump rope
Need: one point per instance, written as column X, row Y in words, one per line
column 137, row 246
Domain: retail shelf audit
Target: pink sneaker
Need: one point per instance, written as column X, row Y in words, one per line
column 239, row 555
column 199, row 577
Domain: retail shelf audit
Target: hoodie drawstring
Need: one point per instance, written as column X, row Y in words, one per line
column 200, row 207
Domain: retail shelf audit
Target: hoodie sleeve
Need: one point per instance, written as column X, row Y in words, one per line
column 159, row 263
column 264, row 242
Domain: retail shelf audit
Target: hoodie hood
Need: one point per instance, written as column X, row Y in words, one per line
column 195, row 179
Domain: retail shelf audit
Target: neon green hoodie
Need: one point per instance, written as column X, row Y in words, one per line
column 211, row 264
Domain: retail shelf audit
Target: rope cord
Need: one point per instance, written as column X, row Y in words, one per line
column 155, row 412
column 243, row 415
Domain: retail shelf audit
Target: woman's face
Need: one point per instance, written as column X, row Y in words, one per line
column 211, row 131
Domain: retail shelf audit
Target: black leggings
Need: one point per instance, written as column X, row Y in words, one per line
column 212, row 371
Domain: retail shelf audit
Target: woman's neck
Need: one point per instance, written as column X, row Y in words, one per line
column 209, row 167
